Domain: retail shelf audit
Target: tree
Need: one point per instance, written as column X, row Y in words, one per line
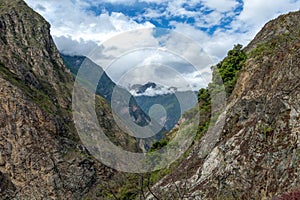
column 228, row 68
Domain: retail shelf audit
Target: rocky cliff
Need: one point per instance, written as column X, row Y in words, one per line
column 256, row 155
column 40, row 153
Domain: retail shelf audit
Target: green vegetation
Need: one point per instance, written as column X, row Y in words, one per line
column 204, row 97
column 225, row 74
column 260, row 49
column 266, row 131
column 35, row 94
column 279, row 41
column 229, row 67
column 158, row 145
column 133, row 185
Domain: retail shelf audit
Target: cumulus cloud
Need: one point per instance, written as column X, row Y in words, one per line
column 80, row 47
column 71, row 21
column 170, row 59
column 256, row 13
column 154, row 91
column 220, row 5
column 211, row 27
column 242, row 29
column 166, row 75
column 171, row 82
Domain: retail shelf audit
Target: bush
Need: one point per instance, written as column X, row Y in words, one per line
column 229, row 67
column 159, row 144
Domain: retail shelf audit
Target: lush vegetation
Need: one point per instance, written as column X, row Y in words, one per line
column 229, row 67
column 225, row 74
column 159, row 144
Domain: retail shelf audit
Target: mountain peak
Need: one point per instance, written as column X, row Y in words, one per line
column 139, row 89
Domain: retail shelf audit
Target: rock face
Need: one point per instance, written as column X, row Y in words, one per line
column 40, row 153
column 256, row 155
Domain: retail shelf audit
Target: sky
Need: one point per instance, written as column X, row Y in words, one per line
column 137, row 41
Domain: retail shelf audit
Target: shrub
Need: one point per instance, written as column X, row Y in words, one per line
column 229, row 67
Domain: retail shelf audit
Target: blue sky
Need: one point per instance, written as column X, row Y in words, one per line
column 80, row 26
column 216, row 24
column 160, row 14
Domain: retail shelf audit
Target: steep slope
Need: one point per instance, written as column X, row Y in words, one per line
column 256, row 154
column 40, row 153
column 123, row 103
column 106, row 87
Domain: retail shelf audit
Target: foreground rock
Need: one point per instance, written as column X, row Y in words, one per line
column 256, row 154
column 41, row 156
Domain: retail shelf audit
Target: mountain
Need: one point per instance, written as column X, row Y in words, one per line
column 123, row 103
column 255, row 155
column 106, row 86
column 173, row 103
column 140, row 89
column 41, row 156
column 251, row 150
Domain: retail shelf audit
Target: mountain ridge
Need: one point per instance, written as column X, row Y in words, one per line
column 255, row 154
column 41, row 155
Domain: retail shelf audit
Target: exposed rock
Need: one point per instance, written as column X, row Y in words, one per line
column 40, row 153
column 257, row 154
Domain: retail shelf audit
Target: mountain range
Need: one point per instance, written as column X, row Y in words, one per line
column 174, row 103
column 247, row 148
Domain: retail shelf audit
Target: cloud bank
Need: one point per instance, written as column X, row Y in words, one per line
column 80, row 26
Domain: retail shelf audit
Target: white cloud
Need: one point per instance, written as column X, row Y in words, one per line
column 70, row 20
column 209, row 20
column 154, row 1
column 138, row 57
column 77, row 31
column 119, row 1
column 256, row 13
column 152, row 13
column 175, row 8
column 220, row 5
column 97, row 2
column 78, row 47
column 154, row 91
column 242, row 30
column 160, row 68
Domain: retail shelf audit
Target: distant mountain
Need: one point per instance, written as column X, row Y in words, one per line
column 122, row 102
column 106, row 86
column 140, row 89
column 151, row 89
column 173, row 103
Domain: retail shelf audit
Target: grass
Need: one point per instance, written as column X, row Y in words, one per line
column 34, row 94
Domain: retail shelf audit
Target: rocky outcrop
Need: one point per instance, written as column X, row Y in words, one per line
column 41, row 156
column 33, row 162
column 256, row 155
column 27, row 43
